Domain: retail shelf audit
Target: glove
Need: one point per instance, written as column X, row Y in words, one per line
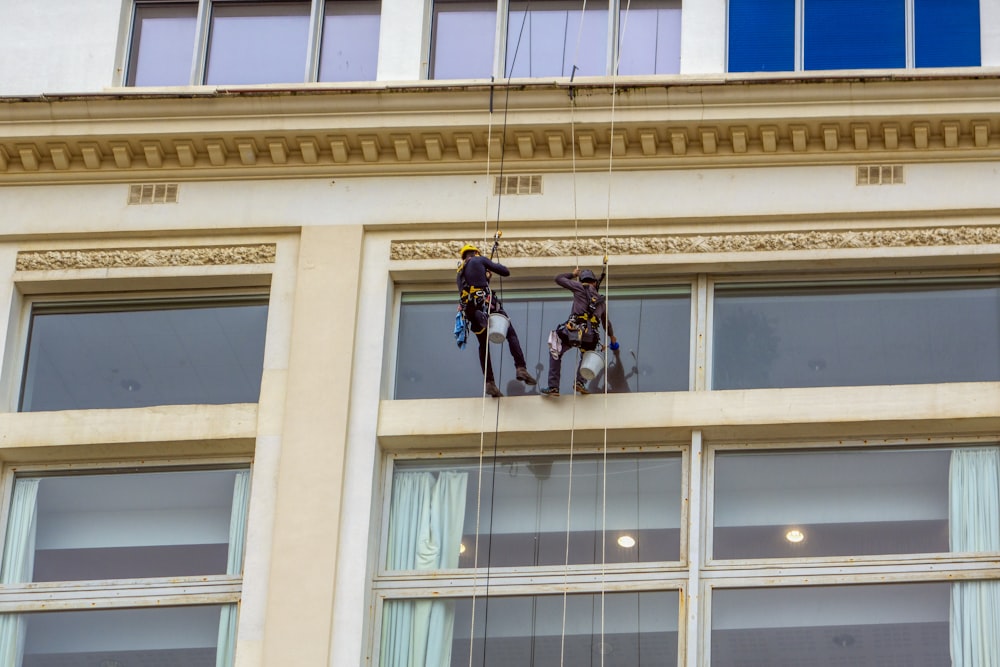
column 614, row 346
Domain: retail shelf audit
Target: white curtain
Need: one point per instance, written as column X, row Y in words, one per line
column 18, row 564
column 234, row 565
column 974, row 525
column 425, row 533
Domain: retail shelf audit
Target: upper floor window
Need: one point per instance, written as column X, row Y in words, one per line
column 852, row 334
column 792, row 35
column 230, row 42
column 142, row 353
column 652, row 326
column 550, row 38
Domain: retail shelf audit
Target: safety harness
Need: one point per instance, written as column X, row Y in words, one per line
column 581, row 329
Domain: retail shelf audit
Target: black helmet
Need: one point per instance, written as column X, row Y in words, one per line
column 587, row 276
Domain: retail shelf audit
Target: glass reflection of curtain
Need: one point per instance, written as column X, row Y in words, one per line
column 18, row 564
column 974, row 524
column 234, row 565
column 425, row 533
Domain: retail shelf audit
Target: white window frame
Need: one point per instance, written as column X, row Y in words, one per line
column 800, row 22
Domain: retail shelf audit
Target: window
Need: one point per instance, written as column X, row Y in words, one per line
column 552, row 37
column 855, row 334
column 836, row 503
column 766, row 35
column 252, row 42
column 535, row 515
column 652, row 326
column 106, row 529
column 142, row 353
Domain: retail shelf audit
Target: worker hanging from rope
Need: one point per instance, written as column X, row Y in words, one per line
column 477, row 302
column 581, row 330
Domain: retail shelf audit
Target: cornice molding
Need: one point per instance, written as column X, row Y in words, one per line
column 115, row 258
column 321, row 133
column 679, row 244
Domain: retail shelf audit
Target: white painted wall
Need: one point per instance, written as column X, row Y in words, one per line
column 58, row 46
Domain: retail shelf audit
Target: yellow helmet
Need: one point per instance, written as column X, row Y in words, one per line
column 466, row 248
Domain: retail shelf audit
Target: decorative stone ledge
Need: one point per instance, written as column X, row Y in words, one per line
column 714, row 243
column 54, row 260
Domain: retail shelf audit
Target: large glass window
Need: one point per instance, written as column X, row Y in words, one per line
column 855, row 334
column 139, row 637
column 126, row 525
column 613, row 629
column 624, row 510
column 789, row 626
column 852, row 34
column 652, row 327
column 549, row 38
column 137, row 354
column 162, row 44
column 836, row 503
column 248, row 42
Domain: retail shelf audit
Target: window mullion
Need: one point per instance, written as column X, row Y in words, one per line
column 614, row 48
column 694, row 554
column 911, row 49
column 800, row 17
column 316, row 17
column 500, row 42
column 201, row 30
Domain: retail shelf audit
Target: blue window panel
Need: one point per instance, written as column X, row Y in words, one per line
column 947, row 33
column 761, row 35
column 854, row 34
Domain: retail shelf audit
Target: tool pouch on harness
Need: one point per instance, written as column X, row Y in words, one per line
column 582, row 330
column 476, row 302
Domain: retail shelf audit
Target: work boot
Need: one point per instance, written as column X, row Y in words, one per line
column 524, row 376
column 581, row 388
column 549, row 391
column 492, row 390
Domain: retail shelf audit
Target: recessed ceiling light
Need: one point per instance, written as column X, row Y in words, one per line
column 795, row 536
column 626, row 541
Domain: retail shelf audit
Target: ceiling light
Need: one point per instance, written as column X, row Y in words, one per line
column 795, row 536
column 626, row 541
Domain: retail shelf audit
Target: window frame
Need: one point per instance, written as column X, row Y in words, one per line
column 127, row 593
column 203, row 27
column 500, row 47
column 69, row 302
column 909, row 560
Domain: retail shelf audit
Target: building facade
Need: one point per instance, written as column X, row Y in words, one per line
column 237, row 427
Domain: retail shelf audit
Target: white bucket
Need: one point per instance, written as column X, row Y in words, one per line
column 498, row 328
column 591, row 364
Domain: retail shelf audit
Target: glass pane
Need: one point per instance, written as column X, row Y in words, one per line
column 522, row 517
column 761, row 35
column 462, row 40
column 620, row 630
column 147, row 637
column 649, row 37
column 546, row 39
column 258, row 43
column 947, row 33
column 825, row 626
column 350, row 41
column 832, row 503
column 162, row 45
column 172, row 355
column 844, row 336
column 653, row 331
column 854, row 34
column 124, row 526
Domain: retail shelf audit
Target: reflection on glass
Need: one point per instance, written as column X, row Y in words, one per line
column 145, row 637
column 462, row 40
column 162, row 45
column 849, row 336
column 522, row 518
column 122, row 526
column 350, row 41
column 649, row 37
column 635, row 630
column 258, row 43
column 831, row 503
column 173, row 355
column 546, row 39
column 898, row 624
column 653, row 330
